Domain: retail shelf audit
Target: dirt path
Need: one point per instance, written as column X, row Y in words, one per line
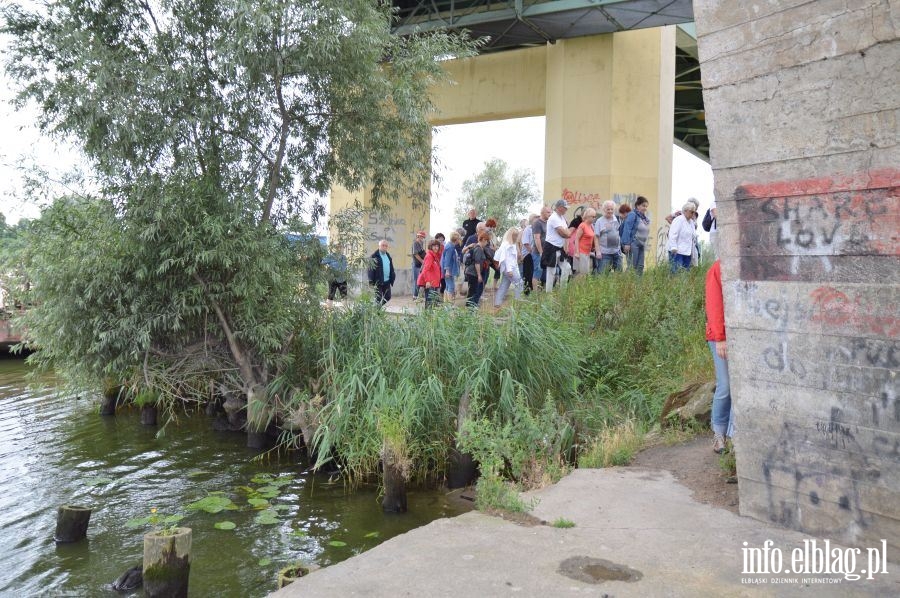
column 694, row 464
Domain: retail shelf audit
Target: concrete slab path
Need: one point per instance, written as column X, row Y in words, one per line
column 641, row 522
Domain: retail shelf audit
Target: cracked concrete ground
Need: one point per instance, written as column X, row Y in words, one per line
column 637, row 524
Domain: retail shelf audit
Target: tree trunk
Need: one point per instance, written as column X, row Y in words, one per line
column 148, row 415
column 394, row 480
column 461, row 470
column 71, row 523
column 167, row 563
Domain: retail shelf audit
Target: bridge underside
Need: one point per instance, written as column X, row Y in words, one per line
column 513, row 24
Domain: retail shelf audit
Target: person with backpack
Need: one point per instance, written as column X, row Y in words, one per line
column 475, row 273
column 709, row 225
column 418, row 259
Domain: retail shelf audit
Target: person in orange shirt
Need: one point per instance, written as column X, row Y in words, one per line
column 722, row 418
column 585, row 243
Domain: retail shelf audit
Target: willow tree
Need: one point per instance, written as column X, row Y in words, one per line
column 210, row 126
column 499, row 193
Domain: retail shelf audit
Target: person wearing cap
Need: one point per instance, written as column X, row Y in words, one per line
column 418, row 258
column 381, row 273
column 557, row 233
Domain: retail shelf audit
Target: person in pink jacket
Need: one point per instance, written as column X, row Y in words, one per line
column 430, row 276
column 722, row 418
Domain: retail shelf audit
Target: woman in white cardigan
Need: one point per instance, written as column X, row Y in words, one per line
column 682, row 238
column 508, row 258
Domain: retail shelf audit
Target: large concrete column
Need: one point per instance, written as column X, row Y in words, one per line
column 802, row 100
column 397, row 223
column 610, row 119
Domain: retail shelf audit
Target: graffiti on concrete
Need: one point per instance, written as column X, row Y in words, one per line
column 813, row 495
column 836, row 308
column 578, row 198
column 385, row 225
column 818, row 229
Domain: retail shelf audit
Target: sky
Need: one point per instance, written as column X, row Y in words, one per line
column 462, row 151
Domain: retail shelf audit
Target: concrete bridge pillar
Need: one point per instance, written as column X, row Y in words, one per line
column 802, row 101
column 608, row 101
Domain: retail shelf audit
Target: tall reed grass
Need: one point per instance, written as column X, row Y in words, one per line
column 605, row 351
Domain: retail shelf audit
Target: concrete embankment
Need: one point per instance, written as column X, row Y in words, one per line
column 637, row 533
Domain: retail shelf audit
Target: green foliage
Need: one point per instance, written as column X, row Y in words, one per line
column 403, row 379
column 225, row 525
column 522, row 445
column 613, row 446
column 164, row 524
column 214, row 503
column 208, row 127
column 495, row 493
column 496, row 193
column 645, row 338
column 563, row 523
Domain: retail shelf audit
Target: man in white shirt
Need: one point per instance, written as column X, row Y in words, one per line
column 557, row 233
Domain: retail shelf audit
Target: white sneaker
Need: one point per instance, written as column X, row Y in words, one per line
column 719, row 444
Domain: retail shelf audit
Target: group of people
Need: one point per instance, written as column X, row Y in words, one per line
column 543, row 251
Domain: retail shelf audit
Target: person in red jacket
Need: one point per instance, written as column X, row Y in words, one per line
column 722, row 416
column 430, row 276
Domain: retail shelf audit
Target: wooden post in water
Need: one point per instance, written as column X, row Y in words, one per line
column 148, row 415
column 71, row 523
column 110, row 400
column 394, row 500
column 461, row 470
column 167, row 563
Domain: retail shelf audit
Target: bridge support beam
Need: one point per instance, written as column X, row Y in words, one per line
column 608, row 101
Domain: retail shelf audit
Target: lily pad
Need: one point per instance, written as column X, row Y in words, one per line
column 263, row 562
column 196, row 473
column 372, row 535
column 170, row 519
column 300, row 533
column 262, row 478
column 225, row 525
column 282, row 507
column 337, row 543
column 267, row 517
column 137, row 522
column 281, row 482
column 212, row 504
column 258, row 503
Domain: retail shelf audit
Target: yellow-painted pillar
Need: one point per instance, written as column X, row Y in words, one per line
column 610, row 120
column 397, row 223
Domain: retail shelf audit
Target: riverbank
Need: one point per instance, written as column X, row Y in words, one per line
column 638, row 532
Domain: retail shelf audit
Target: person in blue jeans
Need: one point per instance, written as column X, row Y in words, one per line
column 682, row 238
column 722, row 415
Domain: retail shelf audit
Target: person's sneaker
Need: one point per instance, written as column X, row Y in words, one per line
column 719, row 444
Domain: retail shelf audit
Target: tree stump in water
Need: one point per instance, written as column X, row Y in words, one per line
column 167, row 563
column 394, row 500
column 110, row 400
column 72, row 523
column 461, row 470
column 292, row 573
column 148, row 415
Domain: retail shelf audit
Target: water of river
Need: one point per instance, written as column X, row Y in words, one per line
column 56, row 450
